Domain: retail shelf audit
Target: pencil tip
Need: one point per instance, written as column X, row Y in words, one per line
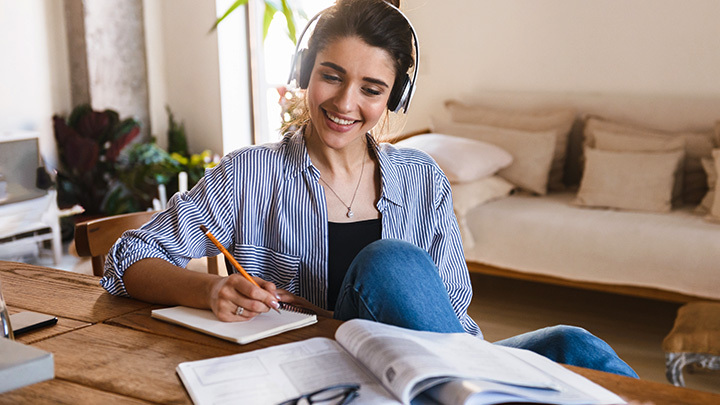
column 203, row 228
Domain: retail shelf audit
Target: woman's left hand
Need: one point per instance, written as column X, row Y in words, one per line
column 290, row 298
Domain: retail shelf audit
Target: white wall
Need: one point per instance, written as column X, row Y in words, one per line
column 612, row 46
column 183, row 70
column 34, row 75
column 655, row 47
column 208, row 92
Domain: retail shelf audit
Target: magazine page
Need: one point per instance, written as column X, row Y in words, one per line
column 573, row 389
column 278, row 373
column 403, row 359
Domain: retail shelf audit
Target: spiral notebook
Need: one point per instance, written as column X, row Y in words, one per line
column 264, row 325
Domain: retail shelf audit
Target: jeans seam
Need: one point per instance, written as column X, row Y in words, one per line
column 362, row 302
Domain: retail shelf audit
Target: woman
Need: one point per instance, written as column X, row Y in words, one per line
column 328, row 218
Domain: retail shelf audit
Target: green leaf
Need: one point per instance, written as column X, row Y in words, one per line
column 119, row 200
column 235, row 5
column 271, row 8
column 270, row 11
column 77, row 113
column 177, row 140
column 123, row 127
column 290, row 21
column 113, row 117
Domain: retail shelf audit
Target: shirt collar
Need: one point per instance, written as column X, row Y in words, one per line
column 298, row 157
column 299, row 161
column 391, row 183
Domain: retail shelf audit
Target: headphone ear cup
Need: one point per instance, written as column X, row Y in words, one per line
column 305, row 69
column 399, row 95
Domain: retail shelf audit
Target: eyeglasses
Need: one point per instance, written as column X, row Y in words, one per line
column 341, row 394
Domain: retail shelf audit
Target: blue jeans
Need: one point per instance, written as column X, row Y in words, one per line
column 397, row 283
column 571, row 345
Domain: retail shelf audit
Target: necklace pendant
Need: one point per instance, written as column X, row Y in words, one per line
column 350, row 214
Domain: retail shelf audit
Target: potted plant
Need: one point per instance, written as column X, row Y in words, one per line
column 145, row 166
column 271, row 8
column 89, row 145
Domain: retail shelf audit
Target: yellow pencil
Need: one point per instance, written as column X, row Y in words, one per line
column 230, row 258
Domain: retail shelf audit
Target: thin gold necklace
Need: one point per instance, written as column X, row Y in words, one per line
column 350, row 212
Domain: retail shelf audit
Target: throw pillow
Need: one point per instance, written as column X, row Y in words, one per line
column 715, row 208
column 628, row 180
column 467, row 196
column 532, row 151
column 707, row 201
column 614, row 142
column 461, row 159
column 697, row 146
column 560, row 120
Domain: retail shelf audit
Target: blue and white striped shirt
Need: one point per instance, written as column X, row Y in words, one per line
column 265, row 203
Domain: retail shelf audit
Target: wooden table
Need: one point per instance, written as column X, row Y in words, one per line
column 109, row 350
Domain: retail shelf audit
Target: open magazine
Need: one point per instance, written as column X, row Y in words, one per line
column 392, row 365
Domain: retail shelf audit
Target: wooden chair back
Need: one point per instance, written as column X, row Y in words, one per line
column 95, row 237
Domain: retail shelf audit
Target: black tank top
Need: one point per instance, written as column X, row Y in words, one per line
column 345, row 241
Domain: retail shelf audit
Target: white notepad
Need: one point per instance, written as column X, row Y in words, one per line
column 268, row 324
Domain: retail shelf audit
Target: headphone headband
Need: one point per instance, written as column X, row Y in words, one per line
column 400, row 95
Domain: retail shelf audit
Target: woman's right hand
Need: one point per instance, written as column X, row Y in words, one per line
column 230, row 293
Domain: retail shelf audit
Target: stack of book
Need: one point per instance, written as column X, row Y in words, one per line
column 22, row 365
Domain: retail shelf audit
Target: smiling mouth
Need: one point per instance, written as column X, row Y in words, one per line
column 338, row 120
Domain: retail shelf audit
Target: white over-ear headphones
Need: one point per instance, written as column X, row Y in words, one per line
column 401, row 93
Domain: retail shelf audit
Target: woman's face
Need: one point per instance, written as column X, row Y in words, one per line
column 348, row 91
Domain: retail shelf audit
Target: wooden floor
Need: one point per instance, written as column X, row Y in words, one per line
column 634, row 327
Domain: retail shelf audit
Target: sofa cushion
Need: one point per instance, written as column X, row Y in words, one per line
column 462, row 159
column 559, row 119
column 675, row 251
column 532, row 151
column 697, row 146
column 628, row 180
column 707, row 202
column 614, row 142
column 467, row 196
column 715, row 207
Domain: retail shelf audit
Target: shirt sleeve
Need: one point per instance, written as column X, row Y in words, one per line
column 447, row 252
column 174, row 234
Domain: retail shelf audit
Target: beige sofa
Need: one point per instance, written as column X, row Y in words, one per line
column 620, row 209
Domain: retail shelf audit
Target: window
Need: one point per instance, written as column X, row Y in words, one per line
column 271, row 61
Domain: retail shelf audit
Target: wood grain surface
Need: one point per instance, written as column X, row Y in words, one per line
column 125, row 361
column 643, row 392
column 63, row 392
column 61, row 293
column 63, row 325
column 109, row 350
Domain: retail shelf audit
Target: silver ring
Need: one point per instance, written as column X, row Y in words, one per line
column 239, row 311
